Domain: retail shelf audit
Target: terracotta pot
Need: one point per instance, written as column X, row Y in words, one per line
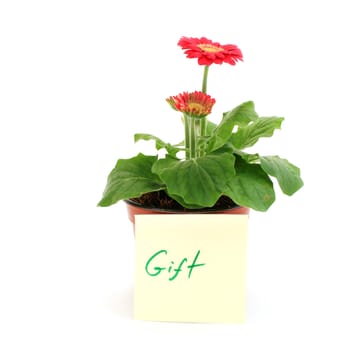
column 134, row 208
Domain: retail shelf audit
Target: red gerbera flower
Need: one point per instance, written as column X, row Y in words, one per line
column 209, row 52
column 195, row 104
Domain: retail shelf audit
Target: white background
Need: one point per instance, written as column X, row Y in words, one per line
column 79, row 78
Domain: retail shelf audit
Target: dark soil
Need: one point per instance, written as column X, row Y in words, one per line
column 161, row 200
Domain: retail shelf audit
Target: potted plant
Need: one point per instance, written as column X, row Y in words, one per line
column 210, row 169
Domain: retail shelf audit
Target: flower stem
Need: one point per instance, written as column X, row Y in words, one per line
column 187, row 135
column 193, row 130
column 193, row 139
column 202, row 133
column 205, row 79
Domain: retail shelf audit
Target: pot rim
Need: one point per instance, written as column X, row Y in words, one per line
column 179, row 211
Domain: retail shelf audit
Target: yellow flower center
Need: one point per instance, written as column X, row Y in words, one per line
column 194, row 106
column 210, row 48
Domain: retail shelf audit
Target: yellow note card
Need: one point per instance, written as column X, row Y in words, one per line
column 190, row 268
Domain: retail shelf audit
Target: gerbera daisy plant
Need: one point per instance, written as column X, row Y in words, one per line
column 211, row 165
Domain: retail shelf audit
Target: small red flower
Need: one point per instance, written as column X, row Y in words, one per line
column 194, row 104
column 209, row 52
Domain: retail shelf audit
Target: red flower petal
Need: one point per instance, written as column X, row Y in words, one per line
column 195, row 104
column 208, row 52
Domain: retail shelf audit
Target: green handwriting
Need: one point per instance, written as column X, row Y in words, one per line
column 153, row 269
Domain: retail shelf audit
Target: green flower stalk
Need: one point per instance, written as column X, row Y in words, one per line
column 195, row 107
column 205, row 79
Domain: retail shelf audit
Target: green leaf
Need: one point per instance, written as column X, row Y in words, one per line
column 241, row 116
column 251, row 187
column 248, row 135
column 164, row 163
column 247, row 157
column 199, row 182
column 130, row 178
column 226, row 148
column 158, row 143
column 287, row 174
column 210, row 127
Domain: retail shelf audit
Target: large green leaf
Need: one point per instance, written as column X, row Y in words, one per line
column 158, row 143
column 251, row 186
column 168, row 162
column 287, row 174
column 241, row 115
column 199, row 182
column 131, row 178
column 248, row 135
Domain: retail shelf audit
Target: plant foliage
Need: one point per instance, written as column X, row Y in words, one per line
column 215, row 161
